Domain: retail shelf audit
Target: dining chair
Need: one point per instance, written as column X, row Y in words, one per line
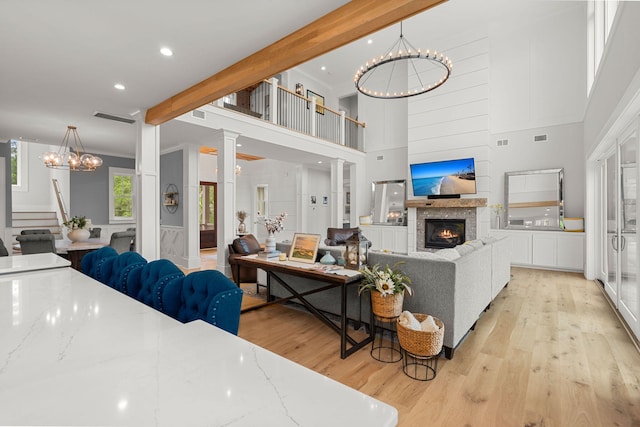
column 147, row 284
column 122, row 241
column 207, row 295
column 95, row 232
column 35, row 231
column 93, row 265
column 3, row 249
column 36, row 243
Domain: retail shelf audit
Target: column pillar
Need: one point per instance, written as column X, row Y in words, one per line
column 226, row 197
column 148, row 190
column 337, row 193
column 190, row 205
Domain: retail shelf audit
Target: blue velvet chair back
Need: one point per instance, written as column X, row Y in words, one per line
column 94, row 263
column 121, row 267
column 147, row 283
column 208, row 295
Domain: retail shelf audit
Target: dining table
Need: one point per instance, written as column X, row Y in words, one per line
column 73, row 251
column 77, row 352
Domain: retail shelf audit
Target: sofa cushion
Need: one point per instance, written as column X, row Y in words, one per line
column 475, row 243
column 246, row 245
column 449, row 253
column 425, row 255
column 464, row 249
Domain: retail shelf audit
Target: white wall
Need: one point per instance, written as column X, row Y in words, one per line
column 295, row 75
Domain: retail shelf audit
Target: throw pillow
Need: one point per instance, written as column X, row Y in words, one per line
column 450, row 253
column 487, row 240
column 464, row 249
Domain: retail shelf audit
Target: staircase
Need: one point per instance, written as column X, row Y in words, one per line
column 36, row 220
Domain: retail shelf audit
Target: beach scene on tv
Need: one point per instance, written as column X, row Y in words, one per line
column 448, row 177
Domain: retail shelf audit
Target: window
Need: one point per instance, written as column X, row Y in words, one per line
column 600, row 17
column 19, row 162
column 121, row 195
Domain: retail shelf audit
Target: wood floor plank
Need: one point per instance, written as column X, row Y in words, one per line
column 549, row 352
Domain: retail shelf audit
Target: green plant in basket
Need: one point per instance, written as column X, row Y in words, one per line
column 387, row 280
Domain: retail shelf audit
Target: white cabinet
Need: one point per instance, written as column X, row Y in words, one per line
column 386, row 237
column 546, row 249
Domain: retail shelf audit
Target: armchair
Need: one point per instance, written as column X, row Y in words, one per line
column 208, row 295
column 245, row 245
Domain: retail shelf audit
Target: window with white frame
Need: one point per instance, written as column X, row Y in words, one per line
column 121, row 195
column 600, row 17
column 19, row 165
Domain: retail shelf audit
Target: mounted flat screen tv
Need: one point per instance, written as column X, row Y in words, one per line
column 448, row 178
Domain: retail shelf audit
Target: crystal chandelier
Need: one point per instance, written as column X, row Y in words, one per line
column 74, row 158
column 403, row 71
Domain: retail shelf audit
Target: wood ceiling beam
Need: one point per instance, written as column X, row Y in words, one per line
column 348, row 23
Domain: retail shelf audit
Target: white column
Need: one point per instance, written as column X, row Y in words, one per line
column 148, row 190
column 226, row 197
column 273, row 101
column 313, row 120
column 337, row 190
column 190, row 205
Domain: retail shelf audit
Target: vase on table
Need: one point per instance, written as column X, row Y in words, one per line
column 270, row 243
column 387, row 306
column 78, row 234
column 327, row 259
column 242, row 228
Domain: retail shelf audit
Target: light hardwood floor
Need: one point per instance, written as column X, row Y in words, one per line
column 549, row 352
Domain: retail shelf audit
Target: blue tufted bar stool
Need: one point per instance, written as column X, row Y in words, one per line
column 147, row 283
column 121, row 267
column 207, row 295
column 92, row 261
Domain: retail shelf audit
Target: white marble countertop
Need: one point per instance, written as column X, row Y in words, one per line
column 19, row 263
column 76, row 352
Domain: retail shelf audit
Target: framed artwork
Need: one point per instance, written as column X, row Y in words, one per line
column 313, row 201
column 304, row 247
column 325, row 200
column 319, row 101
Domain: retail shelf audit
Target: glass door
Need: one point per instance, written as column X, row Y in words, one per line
column 611, row 242
column 208, row 232
column 628, row 297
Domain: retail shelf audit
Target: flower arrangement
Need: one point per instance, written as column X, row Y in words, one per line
column 497, row 208
column 275, row 224
column 386, row 280
column 78, row 222
column 241, row 215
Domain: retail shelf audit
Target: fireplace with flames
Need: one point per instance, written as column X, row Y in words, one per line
column 444, row 233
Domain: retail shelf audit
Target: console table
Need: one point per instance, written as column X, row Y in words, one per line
column 326, row 280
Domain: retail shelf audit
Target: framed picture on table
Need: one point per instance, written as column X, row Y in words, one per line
column 304, row 247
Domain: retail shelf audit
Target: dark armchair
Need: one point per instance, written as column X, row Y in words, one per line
column 245, row 245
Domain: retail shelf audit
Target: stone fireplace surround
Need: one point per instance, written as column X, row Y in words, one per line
column 445, row 209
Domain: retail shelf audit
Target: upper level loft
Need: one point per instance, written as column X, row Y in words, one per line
column 293, row 110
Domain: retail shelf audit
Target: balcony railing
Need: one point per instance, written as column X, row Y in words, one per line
column 296, row 112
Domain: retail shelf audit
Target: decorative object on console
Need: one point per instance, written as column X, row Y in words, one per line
column 377, row 80
column 356, row 252
column 273, row 225
column 497, row 210
column 78, row 228
column 327, row 259
column 76, row 158
column 304, row 247
column 387, row 287
column 242, row 227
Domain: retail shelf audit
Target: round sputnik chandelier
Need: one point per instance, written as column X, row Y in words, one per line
column 403, row 71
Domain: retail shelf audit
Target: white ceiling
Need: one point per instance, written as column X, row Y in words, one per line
column 61, row 58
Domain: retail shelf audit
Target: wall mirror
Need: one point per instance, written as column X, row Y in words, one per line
column 535, row 199
column 387, row 202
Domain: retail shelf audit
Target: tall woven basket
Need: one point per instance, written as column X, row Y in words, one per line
column 421, row 343
column 388, row 306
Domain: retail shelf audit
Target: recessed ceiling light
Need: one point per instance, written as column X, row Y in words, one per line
column 319, row 161
column 370, row 41
column 166, row 51
column 238, row 145
column 119, row 86
column 323, row 68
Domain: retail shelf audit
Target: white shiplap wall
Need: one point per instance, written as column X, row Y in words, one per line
column 453, row 121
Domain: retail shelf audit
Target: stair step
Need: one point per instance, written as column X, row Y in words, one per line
column 35, row 223
column 34, row 215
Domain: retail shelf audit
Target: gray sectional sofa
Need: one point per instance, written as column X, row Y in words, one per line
column 455, row 285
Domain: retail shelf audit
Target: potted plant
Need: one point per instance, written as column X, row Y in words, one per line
column 387, row 286
column 273, row 225
column 78, row 228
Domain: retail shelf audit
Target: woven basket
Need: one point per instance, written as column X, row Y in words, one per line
column 421, row 343
column 388, row 306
